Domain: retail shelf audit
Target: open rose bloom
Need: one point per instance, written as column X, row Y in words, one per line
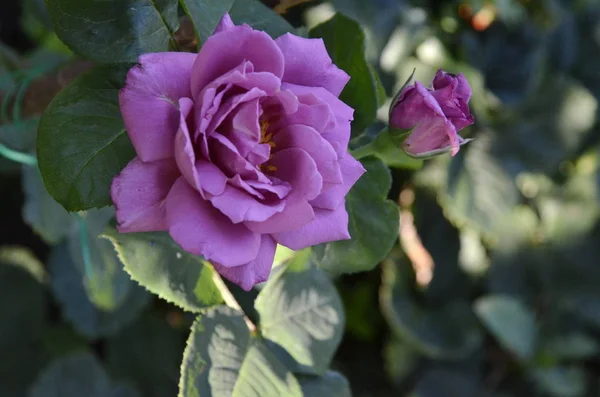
column 239, row 147
column 435, row 114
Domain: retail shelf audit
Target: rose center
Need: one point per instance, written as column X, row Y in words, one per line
column 266, row 137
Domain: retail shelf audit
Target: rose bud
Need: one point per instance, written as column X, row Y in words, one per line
column 435, row 115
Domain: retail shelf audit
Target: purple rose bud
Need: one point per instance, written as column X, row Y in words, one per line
column 435, row 115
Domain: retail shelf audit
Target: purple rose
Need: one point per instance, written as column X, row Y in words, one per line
column 435, row 114
column 239, row 147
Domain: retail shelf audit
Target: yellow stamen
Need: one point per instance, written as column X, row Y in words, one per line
column 271, row 168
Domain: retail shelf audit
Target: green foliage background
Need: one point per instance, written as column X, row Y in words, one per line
column 499, row 296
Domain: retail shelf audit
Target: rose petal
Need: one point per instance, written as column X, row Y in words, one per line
column 327, row 226
column 138, row 194
column 257, row 271
column 198, row 172
column 201, row 229
column 432, row 134
column 239, row 206
column 296, row 167
column 337, row 131
column 321, row 151
column 229, row 48
column 333, row 197
column 224, row 24
column 415, row 105
column 149, row 100
column 299, row 52
column 294, row 216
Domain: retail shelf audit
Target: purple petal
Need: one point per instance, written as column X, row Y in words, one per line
column 308, row 139
column 412, row 108
column 257, row 271
column 229, row 160
column 224, row 24
column 294, row 216
column 139, row 192
column 296, row 167
column 307, row 63
column 201, row 229
column 149, row 100
column 327, row 226
column 333, row 197
column 432, row 134
column 337, row 130
column 239, row 206
column 199, row 173
column 229, row 48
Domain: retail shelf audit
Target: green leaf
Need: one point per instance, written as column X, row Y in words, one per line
column 401, row 359
column 77, row 375
column 373, row 224
column 82, row 142
column 345, row 42
column 479, row 189
column 221, row 360
column 301, row 311
column 40, row 211
column 73, row 376
column 20, row 136
column 455, row 382
column 157, row 263
column 106, row 284
column 205, row 15
column 69, row 290
column 115, row 30
column 561, row 381
column 260, row 17
column 23, row 307
column 22, row 298
column 261, row 374
column 149, row 354
column 510, row 322
column 331, row 384
column 441, row 331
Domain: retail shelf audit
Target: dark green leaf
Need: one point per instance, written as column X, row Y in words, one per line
column 401, row 359
column 345, row 42
column 260, row 17
column 23, row 308
column 73, row 376
column 331, row 384
column 156, row 262
column 510, row 322
column 149, row 354
column 20, row 135
column 221, row 360
column 448, row 383
column 373, row 224
column 78, row 375
column 115, row 30
column 479, row 189
column 301, row 311
column 68, row 286
column 48, row 218
column 106, row 284
column 82, row 142
column 561, row 381
column 205, row 15
column 448, row 330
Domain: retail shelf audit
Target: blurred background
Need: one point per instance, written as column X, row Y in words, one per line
column 494, row 287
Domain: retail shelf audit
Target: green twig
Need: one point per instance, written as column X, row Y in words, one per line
column 19, row 157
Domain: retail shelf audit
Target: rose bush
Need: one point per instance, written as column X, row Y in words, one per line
column 435, row 114
column 239, row 147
